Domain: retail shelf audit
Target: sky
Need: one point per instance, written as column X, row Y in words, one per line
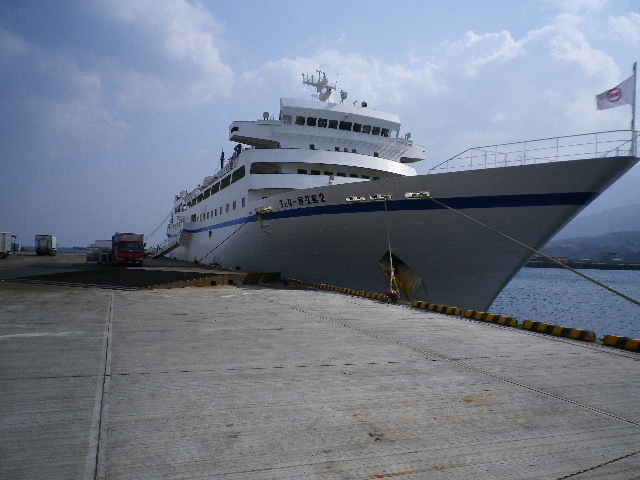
column 110, row 108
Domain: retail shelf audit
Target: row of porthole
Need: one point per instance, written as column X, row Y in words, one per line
column 201, row 217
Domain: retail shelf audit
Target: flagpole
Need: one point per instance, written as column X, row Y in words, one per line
column 633, row 112
column 633, row 105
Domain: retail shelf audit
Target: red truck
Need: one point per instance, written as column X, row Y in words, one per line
column 127, row 249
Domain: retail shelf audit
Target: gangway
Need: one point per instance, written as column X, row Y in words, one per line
column 162, row 249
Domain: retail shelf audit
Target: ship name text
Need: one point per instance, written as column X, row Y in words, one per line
column 303, row 200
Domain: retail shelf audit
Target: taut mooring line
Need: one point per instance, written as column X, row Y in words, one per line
column 553, row 260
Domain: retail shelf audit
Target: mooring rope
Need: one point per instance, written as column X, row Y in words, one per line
column 232, row 233
column 392, row 276
column 551, row 259
column 163, row 222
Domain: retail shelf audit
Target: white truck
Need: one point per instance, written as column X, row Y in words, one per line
column 6, row 244
column 46, row 245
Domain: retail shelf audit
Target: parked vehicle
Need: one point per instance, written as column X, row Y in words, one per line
column 46, row 245
column 6, row 244
column 127, row 249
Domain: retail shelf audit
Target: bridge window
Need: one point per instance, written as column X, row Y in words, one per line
column 375, row 131
column 384, row 132
column 311, row 121
column 299, row 120
column 345, row 126
column 333, row 124
column 302, row 171
column 315, row 172
column 366, row 129
column 357, row 127
column 322, row 122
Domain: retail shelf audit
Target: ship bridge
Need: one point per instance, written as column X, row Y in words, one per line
column 309, row 124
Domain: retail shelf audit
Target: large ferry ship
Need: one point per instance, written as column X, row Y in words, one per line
column 326, row 192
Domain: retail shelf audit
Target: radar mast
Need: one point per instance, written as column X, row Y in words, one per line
column 324, row 89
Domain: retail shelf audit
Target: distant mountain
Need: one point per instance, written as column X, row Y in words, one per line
column 622, row 245
column 621, row 219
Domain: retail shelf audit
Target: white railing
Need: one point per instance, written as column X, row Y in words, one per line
column 556, row 149
column 162, row 246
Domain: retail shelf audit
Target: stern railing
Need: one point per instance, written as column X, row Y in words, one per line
column 546, row 150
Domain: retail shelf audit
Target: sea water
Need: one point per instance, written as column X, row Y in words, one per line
column 560, row 297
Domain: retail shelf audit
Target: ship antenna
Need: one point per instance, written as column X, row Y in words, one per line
column 324, row 89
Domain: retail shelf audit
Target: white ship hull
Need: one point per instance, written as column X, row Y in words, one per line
column 325, row 193
column 316, row 235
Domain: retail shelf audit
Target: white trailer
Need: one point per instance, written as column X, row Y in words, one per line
column 46, row 245
column 6, row 244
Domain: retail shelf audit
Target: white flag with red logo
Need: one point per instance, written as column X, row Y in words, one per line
column 623, row 94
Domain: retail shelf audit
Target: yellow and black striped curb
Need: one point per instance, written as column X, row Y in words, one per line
column 434, row 307
column 627, row 343
column 351, row 291
column 507, row 321
column 576, row 333
column 293, row 280
column 491, row 318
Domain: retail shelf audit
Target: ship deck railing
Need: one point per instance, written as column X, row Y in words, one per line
column 555, row 149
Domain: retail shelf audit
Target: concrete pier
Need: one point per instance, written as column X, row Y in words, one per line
column 265, row 382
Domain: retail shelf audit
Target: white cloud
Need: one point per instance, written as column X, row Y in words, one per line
column 60, row 105
column 72, row 124
column 182, row 37
column 499, row 118
column 10, row 45
column 566, row 42
column 627, row 26
column 578, row 5
column 365, row 78
column 481, row 50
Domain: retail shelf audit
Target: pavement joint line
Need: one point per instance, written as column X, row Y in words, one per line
column 96, row 457
column 72, row 284
column 603, row 464
column 457, row 363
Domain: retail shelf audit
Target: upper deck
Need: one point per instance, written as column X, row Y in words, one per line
column 322, row 125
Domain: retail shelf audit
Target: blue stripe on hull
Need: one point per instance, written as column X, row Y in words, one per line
column 459, row 203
